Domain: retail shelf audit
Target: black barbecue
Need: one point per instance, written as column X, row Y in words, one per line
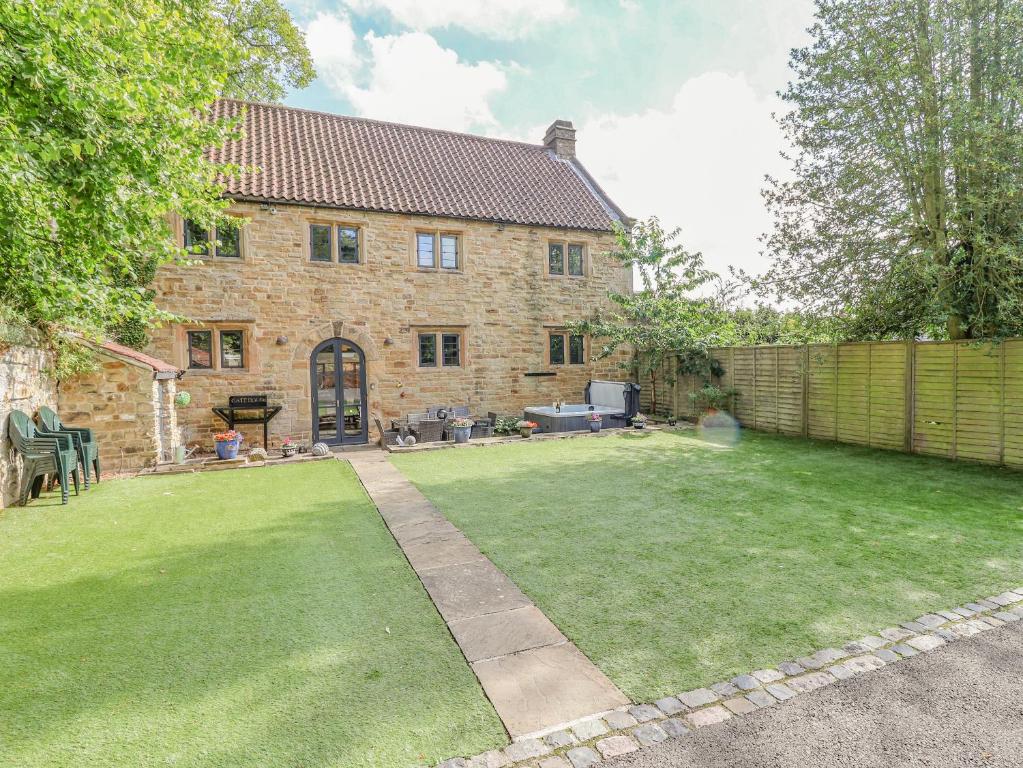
column 247, row 409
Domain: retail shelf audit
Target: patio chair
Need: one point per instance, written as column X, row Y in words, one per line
column 387, row 436
column 42, row 456
column 426, row 429
column 85, row 444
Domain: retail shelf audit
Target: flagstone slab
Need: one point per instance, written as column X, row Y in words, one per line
column 471, row 589
column 536, row 689
column 436, row 554
column 409, row 513
column 504, row 632
column 424, row 533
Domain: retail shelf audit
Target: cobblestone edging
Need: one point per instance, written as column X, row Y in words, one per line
column 592, row 741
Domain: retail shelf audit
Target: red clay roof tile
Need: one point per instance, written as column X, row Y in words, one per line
column 314, row 158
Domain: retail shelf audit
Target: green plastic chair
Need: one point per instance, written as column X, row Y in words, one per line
column 85, row 444
column 43, row 456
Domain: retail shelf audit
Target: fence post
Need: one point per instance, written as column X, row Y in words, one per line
column 806, row 390
column 1001, row 405
column 909, row 407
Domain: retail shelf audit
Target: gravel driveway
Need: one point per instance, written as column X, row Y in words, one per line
column 961, row 705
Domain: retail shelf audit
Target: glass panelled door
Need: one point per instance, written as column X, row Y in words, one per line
column 338, row 369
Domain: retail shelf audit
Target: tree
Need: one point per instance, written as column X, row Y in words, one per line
column 665, row 320
column 275, row 53
column 905, row 211
column 103, row 128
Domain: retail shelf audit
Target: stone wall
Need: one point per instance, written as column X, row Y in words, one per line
column 502, row 299
column 24, row 386
column 129, row 410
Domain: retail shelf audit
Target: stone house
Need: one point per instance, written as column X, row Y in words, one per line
column 380, row 269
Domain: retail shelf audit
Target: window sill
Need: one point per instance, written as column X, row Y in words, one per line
column 215, row 371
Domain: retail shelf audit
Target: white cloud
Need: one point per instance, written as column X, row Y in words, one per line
column 412, row 79
column 407, row 78
column 699, row 165
column 507, row 19
column 332, row 44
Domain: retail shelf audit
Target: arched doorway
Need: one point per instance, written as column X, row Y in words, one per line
column 338, row 372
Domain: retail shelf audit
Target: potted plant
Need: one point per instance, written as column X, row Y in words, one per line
column 227, row 444
column 710, row 399
column 289, row 447
column 639, row 421
column 526, row 427
column 462, row 428
column 595, row 421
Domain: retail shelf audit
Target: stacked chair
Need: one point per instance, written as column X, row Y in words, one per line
column 49, row 424
column 54, row 450
column 52, row 456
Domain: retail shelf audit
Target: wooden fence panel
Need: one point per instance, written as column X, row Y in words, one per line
column 978, row 401
column 887, row 393
column 790, row 390
column 1012, row 403
column 853, row 390
column 744, row 379
column 766, row 390
column 934, row 399
column 822, row 408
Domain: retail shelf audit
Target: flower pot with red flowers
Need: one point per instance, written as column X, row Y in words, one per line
column 526, row 428
column 289, row 447
column 594, row 421
column 227, row 444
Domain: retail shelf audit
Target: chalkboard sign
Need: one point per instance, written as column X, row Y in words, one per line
column 243, row 401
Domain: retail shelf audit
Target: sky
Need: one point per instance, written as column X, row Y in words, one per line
column 672, row 101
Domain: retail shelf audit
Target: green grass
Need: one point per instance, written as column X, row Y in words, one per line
column 252, row 617
column 674, row 563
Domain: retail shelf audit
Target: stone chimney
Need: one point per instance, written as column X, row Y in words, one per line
column 561, row 139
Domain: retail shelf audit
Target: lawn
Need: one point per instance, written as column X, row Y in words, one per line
column 250, row 617
column 674, row 563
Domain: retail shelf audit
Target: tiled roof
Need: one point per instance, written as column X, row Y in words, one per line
column 158, row 366
column 315, row 158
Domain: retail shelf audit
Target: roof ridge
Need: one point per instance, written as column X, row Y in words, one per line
column 374, row 121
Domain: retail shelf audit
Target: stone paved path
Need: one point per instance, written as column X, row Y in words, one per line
column 535, row 678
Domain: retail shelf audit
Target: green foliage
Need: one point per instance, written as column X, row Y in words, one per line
column 764, row 324
column 103, row 126
column 904, row 215
column 276, row 55
column 504, row 426
column 15, row 330
column 664, row 318
column 132, row 333
column 72, row 358
column 101, row 137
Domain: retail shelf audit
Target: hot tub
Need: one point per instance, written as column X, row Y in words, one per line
column 573, row 418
